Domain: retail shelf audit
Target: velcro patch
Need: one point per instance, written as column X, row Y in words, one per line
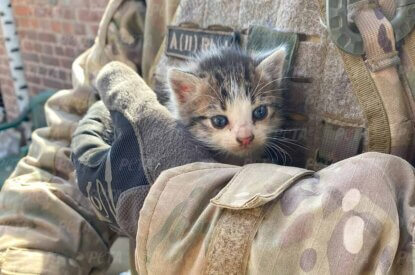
column 185, row 42
column 339, row 142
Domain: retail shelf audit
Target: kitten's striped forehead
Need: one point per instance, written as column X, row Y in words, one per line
column 229, row 76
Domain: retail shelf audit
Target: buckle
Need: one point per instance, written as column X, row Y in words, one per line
column 349, row 40
column 404, row 20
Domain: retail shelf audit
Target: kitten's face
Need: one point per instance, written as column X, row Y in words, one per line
column 230, row 102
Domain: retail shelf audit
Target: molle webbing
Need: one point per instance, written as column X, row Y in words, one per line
column 409, row 46
column 381, row 59
column 229, row 249
column 408, row 70
column 376, row 82
column 409, row 49
column 379, row 136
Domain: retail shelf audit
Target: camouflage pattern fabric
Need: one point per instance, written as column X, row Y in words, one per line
column 321, row 86
column 48, row 227
column 354, row 217
column 122, row 145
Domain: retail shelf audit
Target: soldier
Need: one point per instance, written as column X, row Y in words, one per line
column 354, row 216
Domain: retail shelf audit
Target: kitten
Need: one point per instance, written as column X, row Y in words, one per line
column 231, row 102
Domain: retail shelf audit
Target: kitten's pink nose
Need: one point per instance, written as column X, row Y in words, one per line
column 245, row 140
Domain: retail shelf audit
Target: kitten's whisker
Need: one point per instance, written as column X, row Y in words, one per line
column 287, row 130
column 269, row 154
column 277, row 153
column 285, row 153
column 267, row 84
column 274, row 151
column 289, row 141
column 259, row 81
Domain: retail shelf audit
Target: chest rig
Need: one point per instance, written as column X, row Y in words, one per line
column 351, row 67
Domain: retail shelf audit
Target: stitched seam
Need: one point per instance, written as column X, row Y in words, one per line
column 167, row 181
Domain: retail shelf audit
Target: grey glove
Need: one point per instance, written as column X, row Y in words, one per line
column 124, row 143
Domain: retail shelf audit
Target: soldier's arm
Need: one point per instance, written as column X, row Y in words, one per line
column 46, row 225
column 115, row 173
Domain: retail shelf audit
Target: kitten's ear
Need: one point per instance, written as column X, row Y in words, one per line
column 182, row 83
column 273, row 65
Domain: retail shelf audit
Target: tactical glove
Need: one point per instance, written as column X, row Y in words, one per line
column 123, row 144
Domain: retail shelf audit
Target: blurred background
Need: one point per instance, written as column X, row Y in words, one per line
column 39, row 40
column 51, row 33
column 43, row 37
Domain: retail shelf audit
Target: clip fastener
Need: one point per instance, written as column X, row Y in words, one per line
column 350, row 40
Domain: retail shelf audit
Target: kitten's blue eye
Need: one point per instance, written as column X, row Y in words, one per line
column 219, row 121
column 260, row 112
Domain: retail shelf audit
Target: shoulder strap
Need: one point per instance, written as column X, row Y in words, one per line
column 375, row 80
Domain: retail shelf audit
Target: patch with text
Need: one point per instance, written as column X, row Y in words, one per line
column 186, row 42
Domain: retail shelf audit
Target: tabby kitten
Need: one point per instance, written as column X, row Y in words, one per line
column 231, row 101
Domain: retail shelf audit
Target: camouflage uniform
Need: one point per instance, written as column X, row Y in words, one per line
column 355, row 216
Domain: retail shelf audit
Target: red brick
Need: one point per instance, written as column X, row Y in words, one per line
column 98, row 3
column 89, row 16
column 30, row 57
column 53, row 61
column 59, row 51
column 31, row 68
column 53, row 73
column 67, row 28
column 46, row 37
column 56, row 26
column 79, row 29
column 54, row 84
column 4, row 72
column 87, row 42
column 32, row 79
column 47, row 49
column 69, row 40
column 65, row 13
column 27, row 45
column 34, row 23
column 23, row 23
column 51, row 35
column 22, row 10
column 70, row 52
column 37, row 47
column 80, row 3
column 63, row 75
column 66, row 62
column 93, row 30
column 23, row 33
column 44, row 24
column 42, row 70
column 32, row 35
column 35, row 89
column 43, row 11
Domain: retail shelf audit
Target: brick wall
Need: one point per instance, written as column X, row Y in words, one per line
column 52, row 33
column 6, row 84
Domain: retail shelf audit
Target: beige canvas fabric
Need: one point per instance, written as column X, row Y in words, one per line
column 382, row 60
column 354, row 217
column 322, row 90
column 47, row 227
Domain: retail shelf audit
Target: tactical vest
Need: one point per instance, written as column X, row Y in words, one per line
column 352, row 74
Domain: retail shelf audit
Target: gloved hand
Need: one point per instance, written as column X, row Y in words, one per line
column 123, row 144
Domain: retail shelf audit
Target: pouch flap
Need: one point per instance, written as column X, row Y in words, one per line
column 256, row 184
